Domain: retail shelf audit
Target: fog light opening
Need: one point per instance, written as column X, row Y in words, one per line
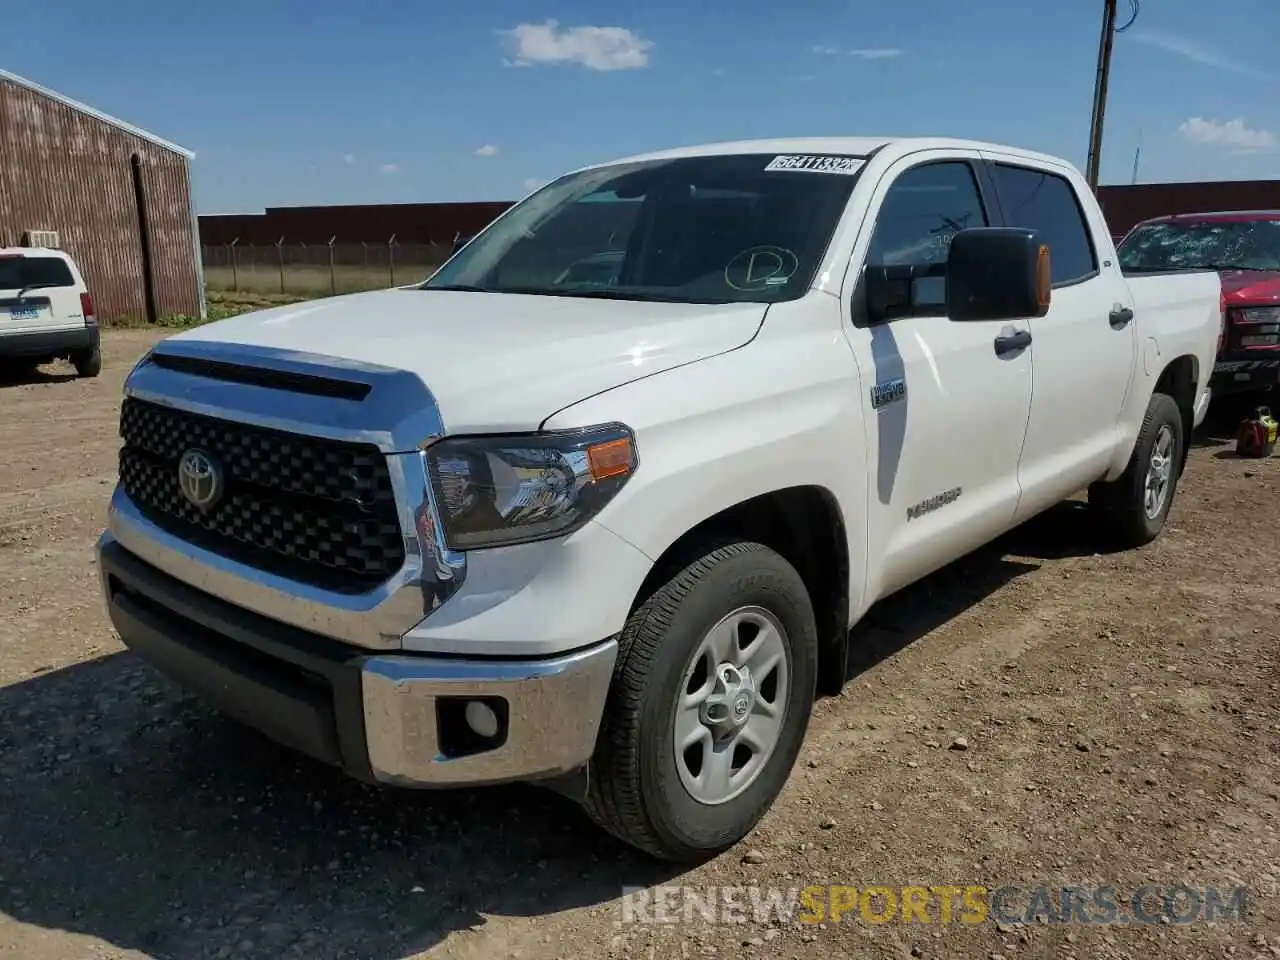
column 470, row 725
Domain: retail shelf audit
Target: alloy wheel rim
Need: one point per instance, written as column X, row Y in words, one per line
column 1159, row 473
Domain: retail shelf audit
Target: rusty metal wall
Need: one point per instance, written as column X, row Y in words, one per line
column 1128, row 204
column 64, row 170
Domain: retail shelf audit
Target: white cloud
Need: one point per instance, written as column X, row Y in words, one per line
column 488, row 150
column 532, row 184
column 1233, row 135
column 1198, row 53
column 389, row 168
column 349, row 160
column 862, row 53
column 596, row 48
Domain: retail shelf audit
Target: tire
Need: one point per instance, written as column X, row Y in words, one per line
column 1122, row 503
column 637, row 791
column 88, row 363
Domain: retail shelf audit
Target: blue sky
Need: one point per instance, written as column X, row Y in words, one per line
column 294, row 102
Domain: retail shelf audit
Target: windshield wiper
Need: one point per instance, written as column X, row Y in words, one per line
column 607, row 293
column 458, row 287
column 35, row 286
column 1226, row 266
column 1185, row 267
column 596, row 294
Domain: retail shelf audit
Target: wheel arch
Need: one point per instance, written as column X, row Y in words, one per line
column 805, row 525
column 1180, row 380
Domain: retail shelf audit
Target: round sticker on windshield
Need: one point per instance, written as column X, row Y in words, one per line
column 759, row 268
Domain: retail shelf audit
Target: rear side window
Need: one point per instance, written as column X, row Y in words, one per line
column 1047, row 203
column 24, row 273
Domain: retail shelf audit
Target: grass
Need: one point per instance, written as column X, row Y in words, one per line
column 220, row 305
column 260, row 289
column 312, row 280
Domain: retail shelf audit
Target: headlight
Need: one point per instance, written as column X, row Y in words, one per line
column 501, row 490
column 1260, row 315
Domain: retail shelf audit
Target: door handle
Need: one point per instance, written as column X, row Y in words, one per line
column 1013, row 342
column 1120, row 316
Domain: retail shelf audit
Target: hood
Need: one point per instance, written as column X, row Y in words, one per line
column 1245, row 288
column 498, row 362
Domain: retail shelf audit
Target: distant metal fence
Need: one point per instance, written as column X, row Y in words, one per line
column 315, row 269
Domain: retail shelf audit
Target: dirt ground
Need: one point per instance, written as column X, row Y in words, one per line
column 1118, row 713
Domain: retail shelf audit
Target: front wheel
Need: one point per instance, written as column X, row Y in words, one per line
column 1136, row 505
column 710, row 702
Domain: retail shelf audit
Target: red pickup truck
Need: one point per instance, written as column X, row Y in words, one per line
column 1244, row 247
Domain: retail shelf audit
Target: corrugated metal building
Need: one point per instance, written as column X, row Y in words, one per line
column 1127, row 204
column 119, row 199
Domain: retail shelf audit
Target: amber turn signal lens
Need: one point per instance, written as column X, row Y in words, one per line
column 612, row 458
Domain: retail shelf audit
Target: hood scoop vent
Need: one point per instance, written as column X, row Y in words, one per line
column 291, row 381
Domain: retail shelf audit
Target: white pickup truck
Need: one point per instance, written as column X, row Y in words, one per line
column 597, row 504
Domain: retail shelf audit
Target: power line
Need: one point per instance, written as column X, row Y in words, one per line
column 1134, row 7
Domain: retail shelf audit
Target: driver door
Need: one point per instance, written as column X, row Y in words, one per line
column 948, row 405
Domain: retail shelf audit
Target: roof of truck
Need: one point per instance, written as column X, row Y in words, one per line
column 840, row 146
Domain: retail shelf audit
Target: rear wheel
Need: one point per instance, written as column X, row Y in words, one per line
column 88, row 363
column 1136, row 505
column 710, row 702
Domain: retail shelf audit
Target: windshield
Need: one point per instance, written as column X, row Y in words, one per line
column 721, row 229
column 1222, row 245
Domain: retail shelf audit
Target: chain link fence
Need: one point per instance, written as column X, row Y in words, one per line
column 310, row 269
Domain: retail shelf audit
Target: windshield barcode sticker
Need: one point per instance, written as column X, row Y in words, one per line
column 817, row 164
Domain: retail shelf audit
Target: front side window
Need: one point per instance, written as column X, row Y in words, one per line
column 718, row 229
column 1047, row 203
column 1204, row 245
column 922, row 210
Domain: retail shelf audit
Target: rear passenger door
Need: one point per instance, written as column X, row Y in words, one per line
column 1083, row 349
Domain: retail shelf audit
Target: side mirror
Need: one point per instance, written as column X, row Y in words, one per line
column 998, row 273
column 896, row 290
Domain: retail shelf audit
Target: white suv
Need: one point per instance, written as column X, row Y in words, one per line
column 46, row 311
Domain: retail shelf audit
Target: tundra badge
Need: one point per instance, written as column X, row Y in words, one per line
column 933, row 503
column 891, row 391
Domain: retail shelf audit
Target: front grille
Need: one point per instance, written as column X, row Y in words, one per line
column 318, row 511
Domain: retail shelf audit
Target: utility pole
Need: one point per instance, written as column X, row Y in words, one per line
column 1100, row 92
column 1109, row 31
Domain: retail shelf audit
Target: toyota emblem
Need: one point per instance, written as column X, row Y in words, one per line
column 200, row 479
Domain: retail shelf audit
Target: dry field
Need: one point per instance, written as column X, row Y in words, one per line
column 1120, row 716
column 305, row 279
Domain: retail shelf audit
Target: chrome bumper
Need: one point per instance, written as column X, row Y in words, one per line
column 385, row 718
column 553, row 715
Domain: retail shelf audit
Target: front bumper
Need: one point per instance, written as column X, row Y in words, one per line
column 395, row 719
